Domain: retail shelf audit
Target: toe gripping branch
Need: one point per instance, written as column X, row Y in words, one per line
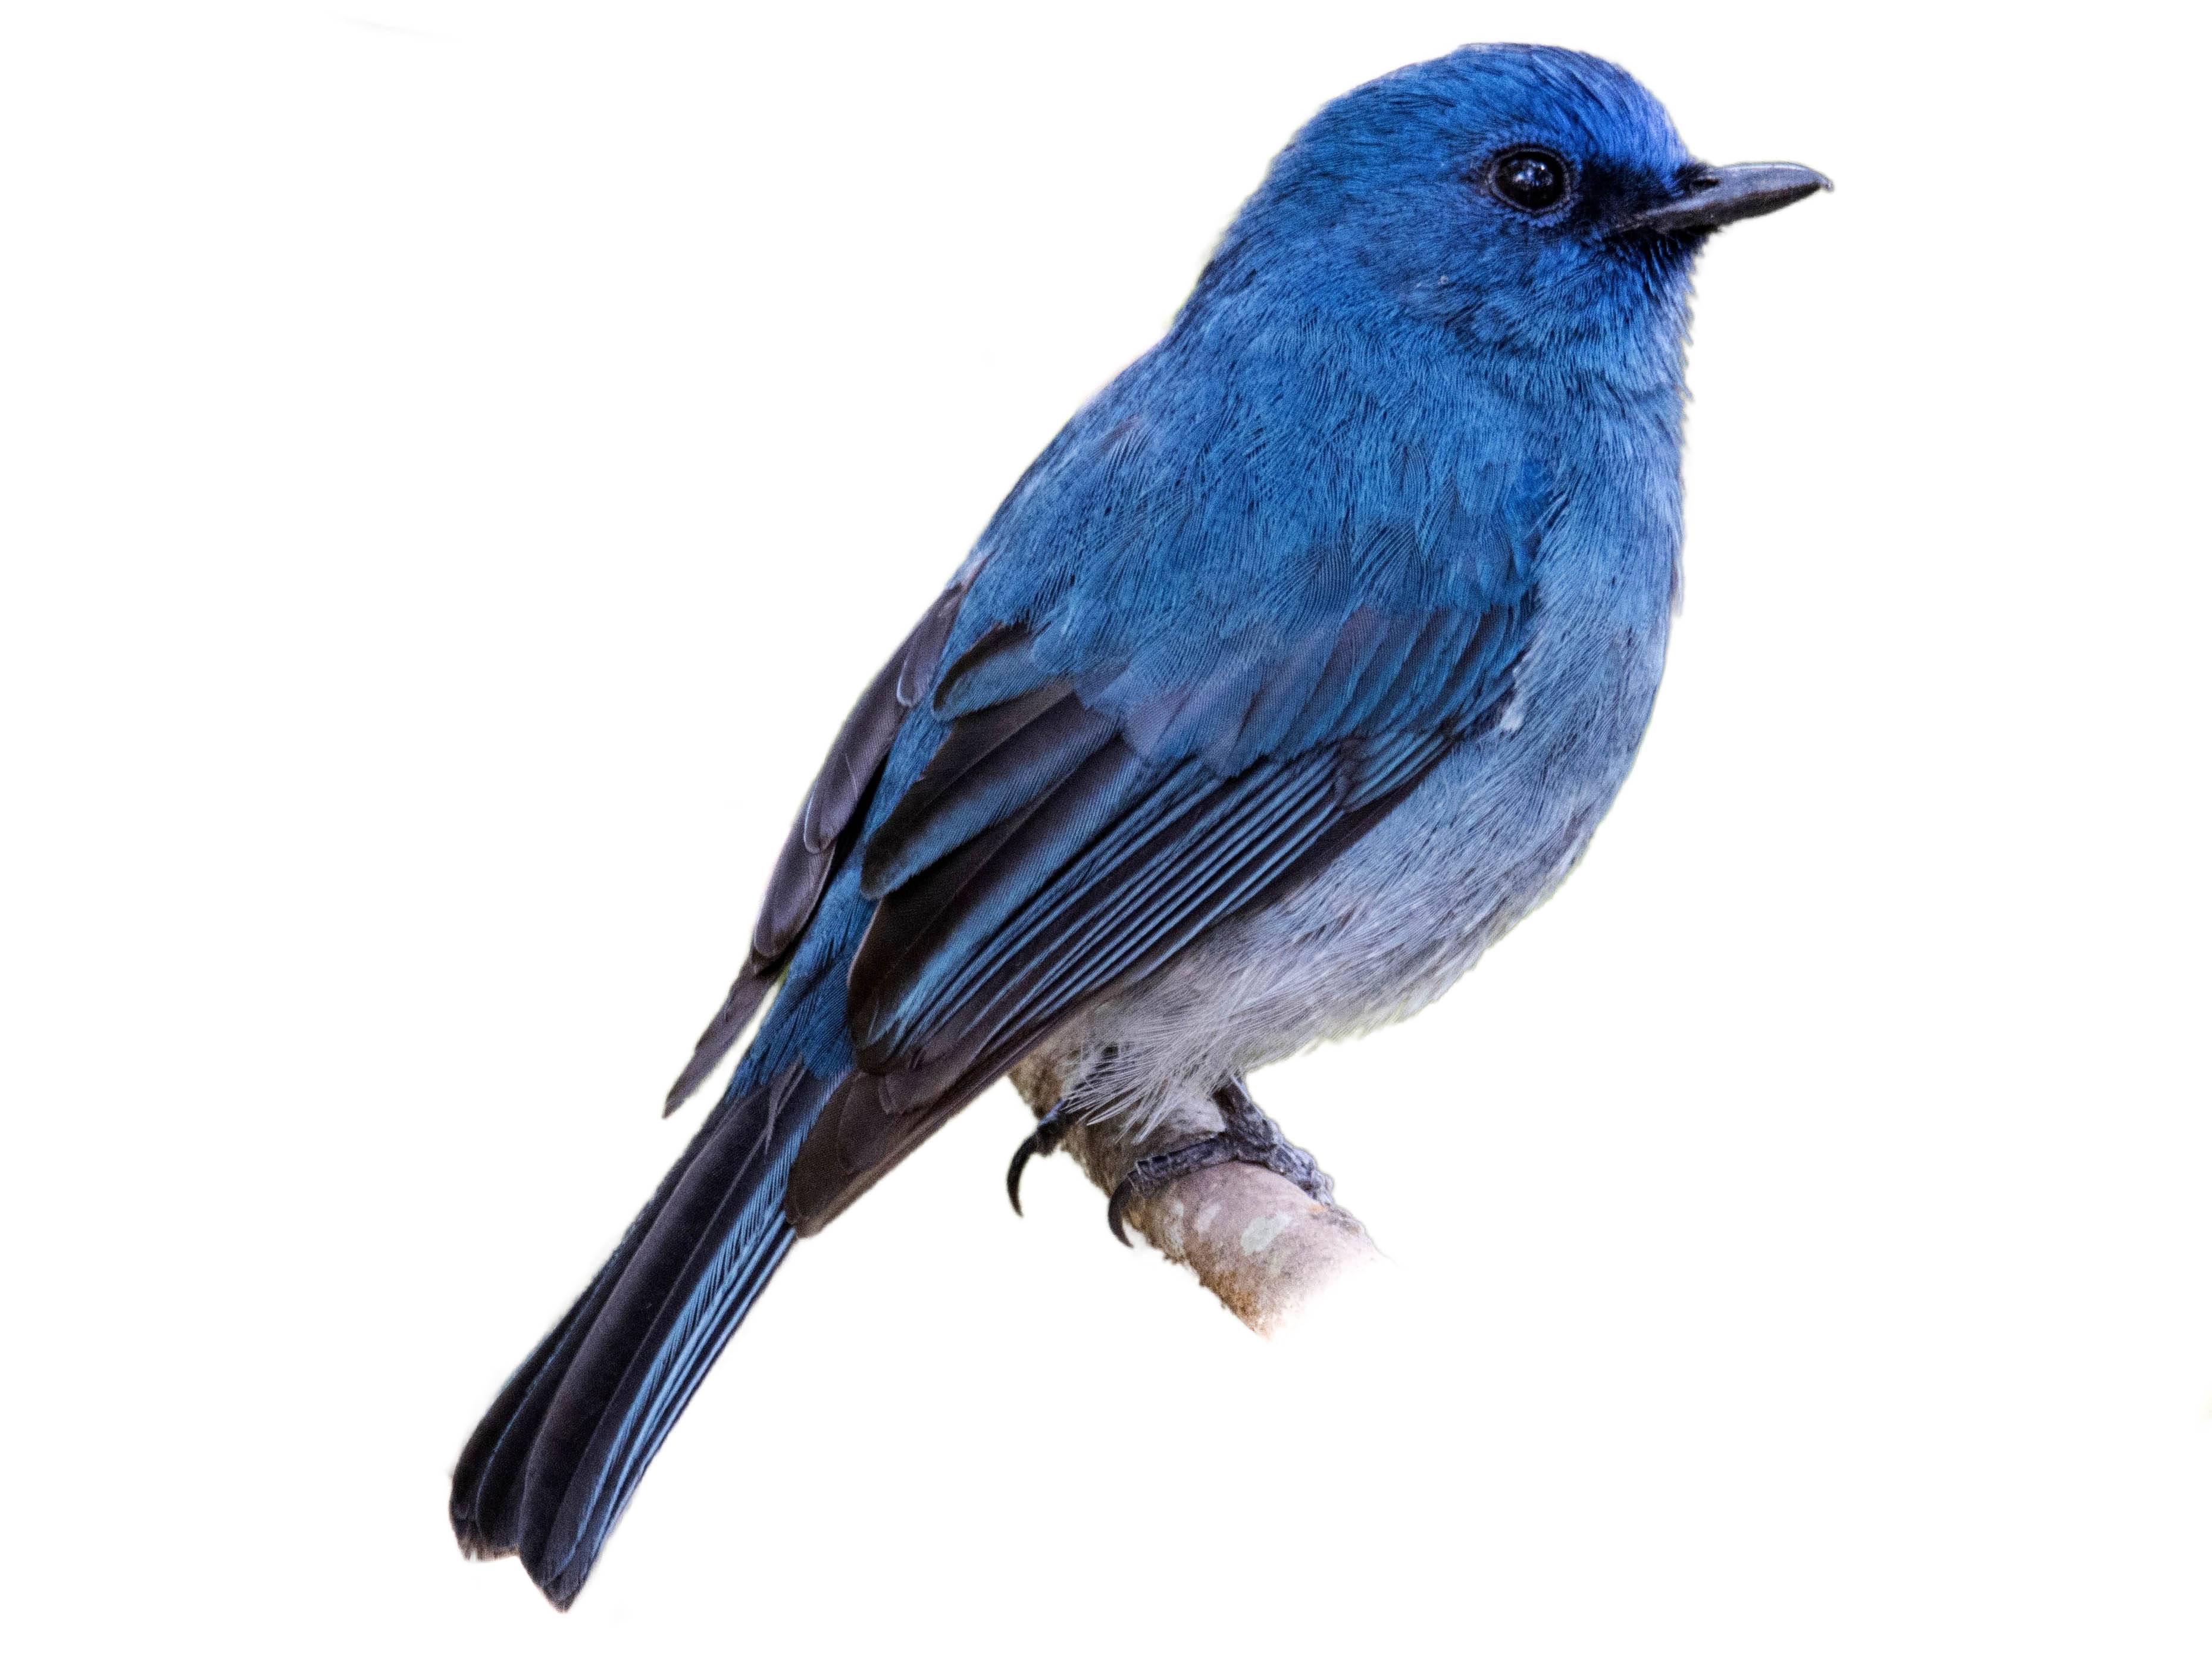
column 1248, row 1135
column 1041, row 1142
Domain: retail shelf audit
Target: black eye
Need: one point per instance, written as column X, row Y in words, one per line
column 1532, row 179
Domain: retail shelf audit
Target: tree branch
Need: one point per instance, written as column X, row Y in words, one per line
column 1260, row 1245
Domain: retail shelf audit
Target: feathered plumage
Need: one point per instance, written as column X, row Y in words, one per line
column 1300, row 664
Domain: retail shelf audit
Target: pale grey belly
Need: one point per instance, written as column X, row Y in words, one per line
column 1391, row 923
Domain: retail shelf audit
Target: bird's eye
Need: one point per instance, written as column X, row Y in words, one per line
column 1530, row 179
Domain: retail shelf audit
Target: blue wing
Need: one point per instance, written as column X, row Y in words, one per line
column 1093, row 799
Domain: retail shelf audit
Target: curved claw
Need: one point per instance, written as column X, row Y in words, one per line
column 1116, row 1205
column 1043, row 1140
column 1021, row 1155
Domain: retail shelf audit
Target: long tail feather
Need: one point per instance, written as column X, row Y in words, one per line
column 549, row 1470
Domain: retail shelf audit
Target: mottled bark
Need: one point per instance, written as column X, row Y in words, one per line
column 1258, row 1243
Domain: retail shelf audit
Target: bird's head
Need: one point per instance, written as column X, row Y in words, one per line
column 1535, row 202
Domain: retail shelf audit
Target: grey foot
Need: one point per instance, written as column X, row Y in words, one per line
column 1249, row 1136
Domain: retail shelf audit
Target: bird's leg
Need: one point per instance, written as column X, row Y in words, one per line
column 1052, row 1128
column 1248, row 1135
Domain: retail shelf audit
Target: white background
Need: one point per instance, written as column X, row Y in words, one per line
column 461, row 460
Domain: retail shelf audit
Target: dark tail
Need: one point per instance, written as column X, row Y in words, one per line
column 549, row 1468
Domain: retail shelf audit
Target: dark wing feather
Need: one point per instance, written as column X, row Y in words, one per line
column 1072, row 835
column 987, row 765
column 827, row 825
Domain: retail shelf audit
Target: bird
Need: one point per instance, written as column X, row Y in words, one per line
column 1300, row 666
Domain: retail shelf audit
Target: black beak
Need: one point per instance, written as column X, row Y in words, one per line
column 1720, row 196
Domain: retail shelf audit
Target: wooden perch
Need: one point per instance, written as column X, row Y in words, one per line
column 1258, row 1243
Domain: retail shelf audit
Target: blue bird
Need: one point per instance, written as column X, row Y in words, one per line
column 1300, row 666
